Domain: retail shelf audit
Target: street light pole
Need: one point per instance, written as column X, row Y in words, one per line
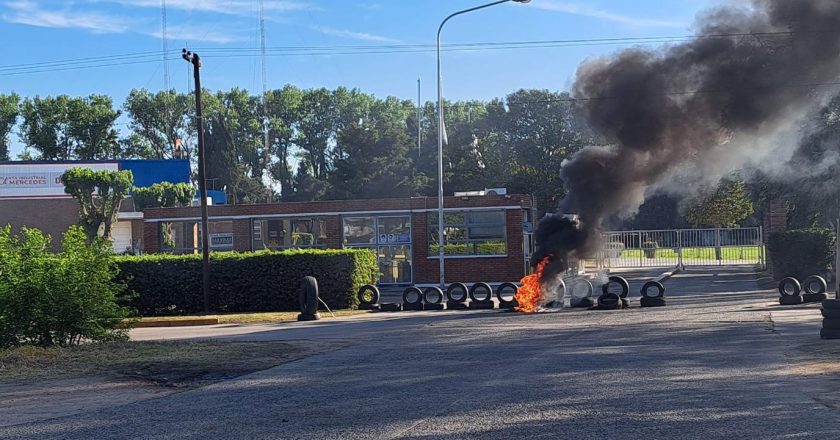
column 441, row 131
column 195, row 60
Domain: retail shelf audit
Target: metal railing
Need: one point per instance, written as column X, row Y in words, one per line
column 681, row 247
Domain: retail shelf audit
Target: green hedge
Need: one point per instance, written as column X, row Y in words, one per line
column 263, row 281
column 801, row 253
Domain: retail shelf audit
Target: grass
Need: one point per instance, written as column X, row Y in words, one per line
column 179, row 364
column 252, row 318
column 704, row 253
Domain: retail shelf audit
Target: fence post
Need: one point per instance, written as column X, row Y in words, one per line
column 679, row 248
column 718, row 250
column 642, row 249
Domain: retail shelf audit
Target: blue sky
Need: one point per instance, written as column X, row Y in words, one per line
column 35, row 31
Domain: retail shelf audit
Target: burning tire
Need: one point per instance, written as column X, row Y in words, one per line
column 505, row 303
column 815, row 284
column 790, row 287
column 609, row 301
column 559, row 293
column 581, row 288
column 412, row 299
column 653, row 289
column 625, row 286
column 368, row 297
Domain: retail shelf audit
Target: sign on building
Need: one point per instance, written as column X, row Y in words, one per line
column 40, row 180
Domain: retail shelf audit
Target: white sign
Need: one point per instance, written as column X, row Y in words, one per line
column 221, row 241
column 40, row 180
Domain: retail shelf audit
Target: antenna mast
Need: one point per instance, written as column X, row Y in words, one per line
column 164, row 37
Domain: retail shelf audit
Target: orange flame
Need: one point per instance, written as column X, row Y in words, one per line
column 529, row 293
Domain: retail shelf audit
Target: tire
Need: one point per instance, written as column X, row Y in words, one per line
column 433, row 291
column 822, row 285
column 656, row 286
column 790, row 300
column 390, row 307
column 374, row 293
column 793, row 284
column 625, row 304
column 412, row 291
column 830, row 313
column 575, row 288
column 652, row 302
column 829, row 334
column 482, row 286
column 813, row 297
column 831, row 323
column 459, row 289
column 625, row 286
column 308, row 296
column 831, row 304
column 609, row 301
column 580, row 303
column 502, row 287
column 556, row 295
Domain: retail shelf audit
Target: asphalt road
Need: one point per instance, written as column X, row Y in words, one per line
column 707, row 366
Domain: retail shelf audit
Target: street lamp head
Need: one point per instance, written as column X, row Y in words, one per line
column 522, row 1
column 187, row 55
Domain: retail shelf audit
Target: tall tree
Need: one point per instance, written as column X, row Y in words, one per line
column 64, row 128
column 284, row 110
column 159, row 123
column 724, row 207
column 9, row 111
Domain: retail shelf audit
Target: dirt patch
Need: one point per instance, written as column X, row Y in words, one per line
column 39, row 384
column 171, row 364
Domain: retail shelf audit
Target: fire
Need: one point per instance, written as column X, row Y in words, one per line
column 529, row 294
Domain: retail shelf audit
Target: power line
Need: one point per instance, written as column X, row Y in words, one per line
column 139, row 57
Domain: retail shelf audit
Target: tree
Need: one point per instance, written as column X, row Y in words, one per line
column 225, row 168
column 100, row 195
column 158, row 123
column 9, row 111
column 725, row 207
column 284, row 115
column 375, row 160
column 65, row 128
column 163, row 195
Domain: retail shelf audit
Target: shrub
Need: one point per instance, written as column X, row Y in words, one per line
column 262, row 281
column 801, row 253
column 57, row 299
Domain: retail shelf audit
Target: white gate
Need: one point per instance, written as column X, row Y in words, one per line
column 682, row 247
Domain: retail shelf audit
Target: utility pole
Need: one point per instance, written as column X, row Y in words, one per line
column 164, row 37
column 195, row 60
column 419, row 118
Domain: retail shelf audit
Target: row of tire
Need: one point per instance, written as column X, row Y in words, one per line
column 831, row 319
column 791, row 290
column 480, row 296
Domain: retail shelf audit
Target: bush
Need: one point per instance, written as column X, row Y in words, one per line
column 57, row 299
column 801, row 253
column 263, row 281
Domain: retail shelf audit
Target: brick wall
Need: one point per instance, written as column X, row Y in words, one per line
column 775, row 220
column 242, row 236
column 52, row 216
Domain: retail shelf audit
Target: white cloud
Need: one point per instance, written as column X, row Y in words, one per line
column 586, row 11
column 230, row 7
column 363, row 36
column 30, row 13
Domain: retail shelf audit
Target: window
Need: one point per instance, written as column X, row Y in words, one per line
column 469, row 233
column 185, row 237
column 359, row 231
column 289, row 233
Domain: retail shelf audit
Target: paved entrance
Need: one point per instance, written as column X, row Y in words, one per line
column 708, row 366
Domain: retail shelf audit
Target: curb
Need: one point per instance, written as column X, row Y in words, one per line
column 174, row 323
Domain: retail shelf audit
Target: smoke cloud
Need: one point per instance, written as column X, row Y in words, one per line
column 734, row 97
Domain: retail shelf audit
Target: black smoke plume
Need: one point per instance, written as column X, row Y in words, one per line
column 699, row 109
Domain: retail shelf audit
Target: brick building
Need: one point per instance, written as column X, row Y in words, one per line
column 32, row 195
column 488, row 236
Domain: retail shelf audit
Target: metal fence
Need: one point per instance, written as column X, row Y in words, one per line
column 686, row 247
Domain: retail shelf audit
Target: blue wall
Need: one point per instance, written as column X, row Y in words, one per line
column 149, row 172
